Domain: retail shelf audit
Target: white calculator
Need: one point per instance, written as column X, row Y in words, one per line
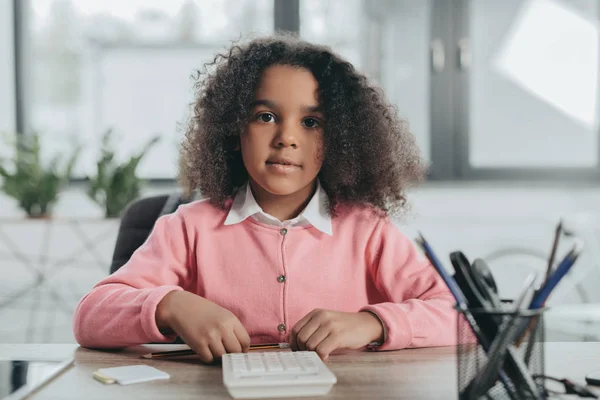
column 276, row 374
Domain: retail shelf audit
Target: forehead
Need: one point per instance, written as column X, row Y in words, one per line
column 284, row 83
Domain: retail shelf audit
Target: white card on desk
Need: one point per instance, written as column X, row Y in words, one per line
column 133, row 374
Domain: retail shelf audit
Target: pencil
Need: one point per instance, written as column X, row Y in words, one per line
column 557, row 233
column 190, row 352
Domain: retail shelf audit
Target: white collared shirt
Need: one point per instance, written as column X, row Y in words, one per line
column 316, row 212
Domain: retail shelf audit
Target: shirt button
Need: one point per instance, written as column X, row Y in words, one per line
column 281, row 327
column 283, row 231
column 281, row 278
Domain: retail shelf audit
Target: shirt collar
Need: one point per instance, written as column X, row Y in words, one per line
column 316, row 212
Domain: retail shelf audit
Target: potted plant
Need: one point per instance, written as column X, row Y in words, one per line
column 116, row 184
column 34, row 184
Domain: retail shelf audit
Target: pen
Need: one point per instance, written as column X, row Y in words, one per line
column 557, row 233
column 448, row 280
column 544, row 292
column 190, row 352
column 260, row 346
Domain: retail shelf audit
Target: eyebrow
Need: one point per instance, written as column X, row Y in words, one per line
column 272, row 104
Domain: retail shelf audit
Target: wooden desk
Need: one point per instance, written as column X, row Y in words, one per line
column 406, row 374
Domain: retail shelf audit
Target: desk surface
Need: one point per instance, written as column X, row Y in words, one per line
column 406, row 374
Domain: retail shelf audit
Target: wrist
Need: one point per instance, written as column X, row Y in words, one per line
column 164, row 312
column 376, row 326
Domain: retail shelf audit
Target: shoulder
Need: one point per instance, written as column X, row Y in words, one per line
column 370, row 223
column 205, row 210
column 198, row 214
column 359, row 216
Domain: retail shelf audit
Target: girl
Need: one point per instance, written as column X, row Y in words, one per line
column 302, row 163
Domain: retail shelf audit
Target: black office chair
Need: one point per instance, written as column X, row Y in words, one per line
column 137, row 222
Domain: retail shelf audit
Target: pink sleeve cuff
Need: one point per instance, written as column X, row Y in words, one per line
column 396, row 325
column 149, row 314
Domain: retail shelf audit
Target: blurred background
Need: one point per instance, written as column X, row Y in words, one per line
column 502, row 97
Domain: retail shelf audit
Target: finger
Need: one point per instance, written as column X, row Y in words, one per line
column 216, row 348
column 242, row 337
column 200, row 348
column 231, row 343
column 306, row 332
column 299, row 325
column 316, row 338
column 326, row 347
column 204, row 353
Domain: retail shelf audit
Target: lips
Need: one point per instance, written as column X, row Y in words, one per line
column 282, row 161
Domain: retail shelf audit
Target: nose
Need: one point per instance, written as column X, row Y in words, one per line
column 287, row 136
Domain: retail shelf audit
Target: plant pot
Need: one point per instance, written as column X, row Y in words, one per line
column 40, row 217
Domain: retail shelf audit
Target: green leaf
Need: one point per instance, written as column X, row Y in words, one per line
column 116, row 184
column 35, row 186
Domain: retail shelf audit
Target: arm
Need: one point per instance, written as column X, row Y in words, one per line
column 419, row 308
column 120, row 310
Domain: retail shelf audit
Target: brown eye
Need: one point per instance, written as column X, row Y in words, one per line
column 266, row 117
column 311, row 123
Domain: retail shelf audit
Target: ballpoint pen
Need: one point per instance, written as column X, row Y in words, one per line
column 260, row 346
column 190, row 352
column 539, row 299
column 448, row 280
column 557, row 233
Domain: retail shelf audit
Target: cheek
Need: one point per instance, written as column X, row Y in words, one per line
column 319, row 151
column 258, row 136
column 248, row 154
column 251, row 146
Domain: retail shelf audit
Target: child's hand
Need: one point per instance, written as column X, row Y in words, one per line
column 210, row 330
column 324, row 331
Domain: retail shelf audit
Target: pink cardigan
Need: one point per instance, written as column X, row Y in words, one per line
column 270, row 278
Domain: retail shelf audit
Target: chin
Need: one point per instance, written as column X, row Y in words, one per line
column 282, row 187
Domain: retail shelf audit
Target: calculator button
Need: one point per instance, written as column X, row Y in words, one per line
column 273, row 364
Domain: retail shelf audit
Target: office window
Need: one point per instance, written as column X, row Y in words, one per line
column 7, row 71
column 523, row 102
column 125, row 65
column 388, row 41
column 533, row 86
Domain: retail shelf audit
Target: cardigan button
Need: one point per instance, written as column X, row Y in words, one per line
column 281, row 327
column 283, row 231
column 281, row 278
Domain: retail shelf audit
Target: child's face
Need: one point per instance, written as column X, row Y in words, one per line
column 283, row 144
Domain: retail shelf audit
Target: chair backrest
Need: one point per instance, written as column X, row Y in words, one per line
column 137, row 222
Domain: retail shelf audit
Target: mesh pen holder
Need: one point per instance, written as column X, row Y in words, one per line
column 504, row 360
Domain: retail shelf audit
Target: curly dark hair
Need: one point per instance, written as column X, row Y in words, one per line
column 370, row 158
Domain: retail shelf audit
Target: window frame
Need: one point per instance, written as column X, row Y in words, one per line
column 460, row 97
